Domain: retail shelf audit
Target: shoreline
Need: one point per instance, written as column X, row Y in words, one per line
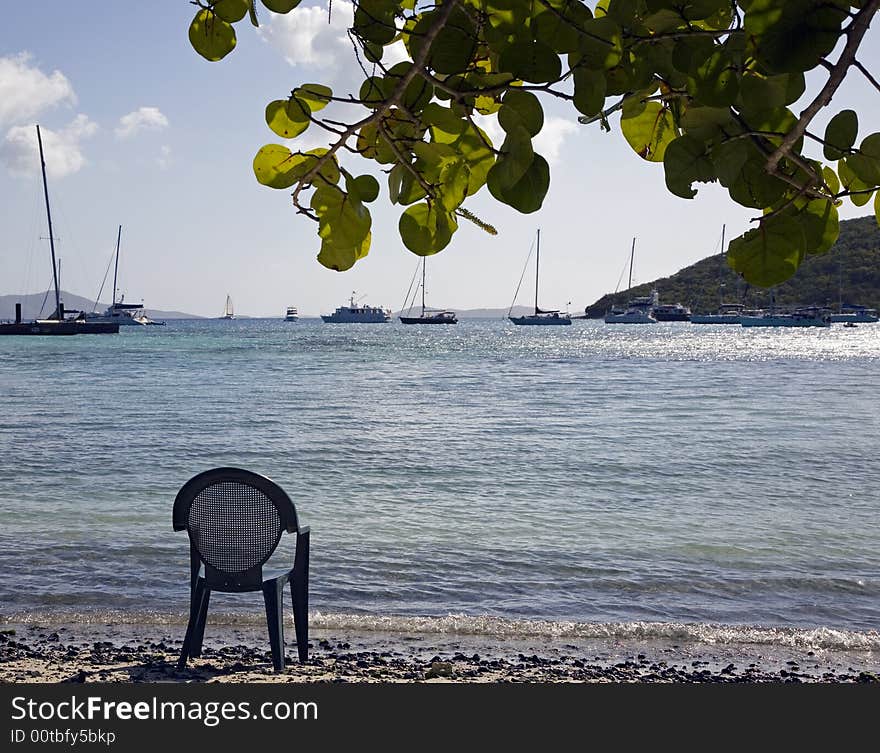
column 48, row 652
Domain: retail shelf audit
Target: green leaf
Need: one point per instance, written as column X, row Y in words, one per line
column 770, row 254
column 877, row 206
column 821, row 226
column 851, row 182
column 281, row 6
column 534, row 62
column 715, row 82
column 367, row 187
column 589, row 90
column 527, row 194
column 601, row 45
column 831, row 179
column 866, row 163
column 287, row 117
column 374, row 21
column 521, row 108
column 840, row 134
column 341, row 258
column 650, row 131
column 445, row 125
column 686, row 162
column 340, row 219
column 515, row 159
column 211, row 36
column 426, row 229
column 796, row 35
column 315, row 96
column 231, row 10
column 754, row 187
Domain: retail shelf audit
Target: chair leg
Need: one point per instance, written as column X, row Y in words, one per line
column 299, row 592
column 199, row 632
column 272, row 595
column 194, row 611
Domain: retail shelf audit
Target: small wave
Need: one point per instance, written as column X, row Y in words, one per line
column 490, row 627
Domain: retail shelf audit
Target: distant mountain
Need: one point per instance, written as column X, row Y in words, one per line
column 33, row 307
column 850, row 270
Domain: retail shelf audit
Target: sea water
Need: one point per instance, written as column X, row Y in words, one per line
column 657, row 480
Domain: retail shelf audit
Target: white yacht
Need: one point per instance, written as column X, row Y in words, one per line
column 354, row 313
column 807, row 316
column 119, row 312
column 637, row 310
column 727, row 313
column 853, row 313
column 291, row 315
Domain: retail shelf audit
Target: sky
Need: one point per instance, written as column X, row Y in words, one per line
column 142, row 132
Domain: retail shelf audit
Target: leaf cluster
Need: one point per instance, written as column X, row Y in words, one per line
column 703, row 87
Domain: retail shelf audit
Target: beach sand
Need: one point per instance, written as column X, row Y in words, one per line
column 148, row 653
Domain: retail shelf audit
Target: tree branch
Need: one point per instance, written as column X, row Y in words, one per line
column 855, row 32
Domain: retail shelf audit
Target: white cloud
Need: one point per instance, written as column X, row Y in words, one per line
column 306, row 38
column 25, row 91
column 164, row 159
column 548, row 143
column 20, row 154
column 142, row 119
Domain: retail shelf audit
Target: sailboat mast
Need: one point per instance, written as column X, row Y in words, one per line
column 116, row 268
column 632, row 256
column 537, row 265
column 51, row 235
column 721, row 270
column 423, row 287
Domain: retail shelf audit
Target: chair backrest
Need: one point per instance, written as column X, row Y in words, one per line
column 235, row 519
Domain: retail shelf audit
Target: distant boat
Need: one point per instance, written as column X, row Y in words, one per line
column 57, row 324
column 124, row 314
column 637, row 310
column 850, row 313
column 671, row 312
column 228, row 312
column 541, row 316
column 354, row 313
column 291, row 315
column 427, row 316
column 806, row 316
column 726, row 313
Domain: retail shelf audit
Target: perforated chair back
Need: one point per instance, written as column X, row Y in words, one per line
column 234, row 519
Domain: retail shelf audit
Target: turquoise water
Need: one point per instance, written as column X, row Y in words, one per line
column 483, row 474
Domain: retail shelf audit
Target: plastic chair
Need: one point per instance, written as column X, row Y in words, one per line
column 235, row 519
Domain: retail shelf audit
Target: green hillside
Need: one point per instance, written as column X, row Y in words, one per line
column 851, row 270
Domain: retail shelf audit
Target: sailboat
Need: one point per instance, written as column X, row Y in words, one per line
column 637, row 310
column 227, row 310
column 727, row 313
column 124, row 314
column 56, row 324
column 850, row 313
column 541, row 316
column 428, row 317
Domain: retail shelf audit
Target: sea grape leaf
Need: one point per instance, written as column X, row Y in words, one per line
column 649, row 131
column 341, row 258
column 840, row 134
column 771, row 253
column 281, row 6
column 288, row 117
column 521, row 108
column 231, row 10
column 426, row 228
column 527, row 194
column 315, row 96
column 211, row 36
column 686, row 162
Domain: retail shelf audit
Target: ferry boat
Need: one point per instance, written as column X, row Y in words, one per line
column 291, row 315
column 806, row 316
column 357, row 314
